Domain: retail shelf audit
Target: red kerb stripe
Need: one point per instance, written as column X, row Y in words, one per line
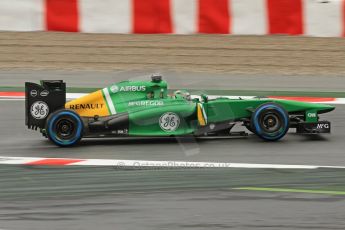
column 55, row 161
column 62, row 15
column 214, row 16
column 152, row 16
column 12, row 94
column 285, row 17
column 343, row 18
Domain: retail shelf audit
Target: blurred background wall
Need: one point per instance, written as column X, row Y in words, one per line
column 324, row 18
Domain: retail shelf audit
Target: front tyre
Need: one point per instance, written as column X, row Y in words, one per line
column 64, row 128
column 270, row 122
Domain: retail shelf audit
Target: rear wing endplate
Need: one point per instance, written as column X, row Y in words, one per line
column 41, row 100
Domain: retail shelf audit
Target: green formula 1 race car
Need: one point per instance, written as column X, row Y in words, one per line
column 144, row 109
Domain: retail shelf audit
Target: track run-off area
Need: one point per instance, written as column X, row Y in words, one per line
column 296, row 183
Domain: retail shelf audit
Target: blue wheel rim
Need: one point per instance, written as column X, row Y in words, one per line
column 53, row 134
column 259, row 130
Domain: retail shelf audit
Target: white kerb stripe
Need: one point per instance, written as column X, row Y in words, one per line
column 188, row 164
column 149, row 163
column 323, row 19
column 109, row 101
column 184, row 16
column 106, row 16
column 21, row 15
column 248, row 17
column 17, row 160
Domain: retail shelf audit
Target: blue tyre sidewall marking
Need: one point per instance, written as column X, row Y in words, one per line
column 258, row 128
column 53, row 134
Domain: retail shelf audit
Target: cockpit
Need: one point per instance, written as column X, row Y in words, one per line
column 182, row 94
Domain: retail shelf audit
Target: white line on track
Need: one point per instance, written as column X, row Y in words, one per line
column 149, row 164
column 71, row 96
column 10, row 99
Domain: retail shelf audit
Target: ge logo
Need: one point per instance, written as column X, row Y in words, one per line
column 39, row 110
column 169, row 121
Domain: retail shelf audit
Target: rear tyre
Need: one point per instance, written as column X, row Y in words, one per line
column 270, row 122
column 64, row 128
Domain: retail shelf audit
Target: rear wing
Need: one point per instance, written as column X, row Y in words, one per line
column 42, row 100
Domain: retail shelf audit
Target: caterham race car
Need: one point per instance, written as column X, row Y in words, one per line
column 144, row 109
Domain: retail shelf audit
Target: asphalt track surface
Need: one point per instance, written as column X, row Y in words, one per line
column 184, row 80
column 328, row 149
column 33, row 197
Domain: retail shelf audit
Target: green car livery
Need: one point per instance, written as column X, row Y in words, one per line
column 144, row 109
